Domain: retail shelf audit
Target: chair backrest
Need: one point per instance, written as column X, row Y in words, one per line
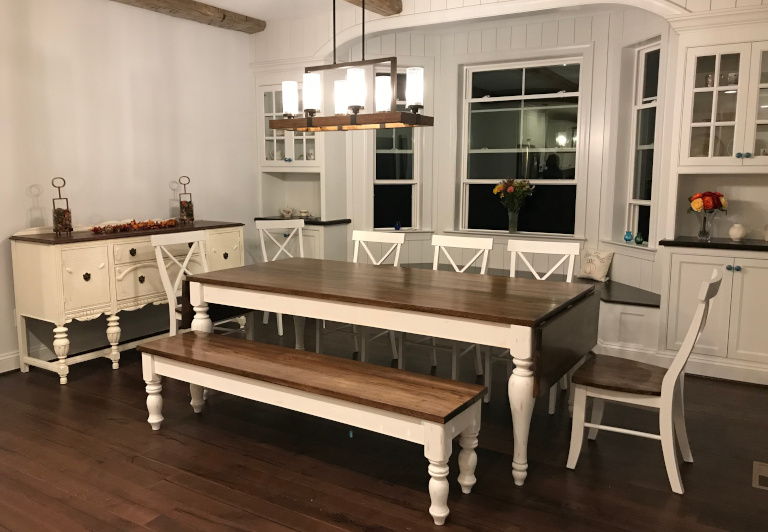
column 568, row 250
column 196, row 242
column 363, row 238
column 708, row 290
column 482, row 245
column 296, row 227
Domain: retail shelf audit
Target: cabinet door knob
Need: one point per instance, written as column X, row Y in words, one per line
column 737, row 268
column 739, row 155
column 142, row 279
column 747, row 155
column 86, row 277
column 132, row 252
column 226, row 255
column 728, row 267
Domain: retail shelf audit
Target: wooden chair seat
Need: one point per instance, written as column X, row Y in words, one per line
column 620, row 375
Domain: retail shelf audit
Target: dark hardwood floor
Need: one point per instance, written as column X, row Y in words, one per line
column 82, row 457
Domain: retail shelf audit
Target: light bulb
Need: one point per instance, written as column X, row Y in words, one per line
column 383, row 93
column 561, row 139
column 340, row 104
column 290, row 98
column 414, row 88
column 313, row 92
column 356, row 91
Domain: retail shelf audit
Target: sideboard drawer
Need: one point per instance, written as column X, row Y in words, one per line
column 137, row 280
column 85, row 277
column 143, row 252
column 224, row 250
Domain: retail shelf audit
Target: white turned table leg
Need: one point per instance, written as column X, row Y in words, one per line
column 113, row 335
column 61, row 348
column 437, row 449
column 202, row 322
column 521, row 402
column 298, row 326
column 198, row 400
column 467, row 455
column 154, row 402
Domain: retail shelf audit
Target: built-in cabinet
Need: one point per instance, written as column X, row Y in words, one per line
column 725, row 106
column 292, row 150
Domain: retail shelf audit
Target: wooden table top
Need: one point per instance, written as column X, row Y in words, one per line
column 506, row 300
column 393, row 390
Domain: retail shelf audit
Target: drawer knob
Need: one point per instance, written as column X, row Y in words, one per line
column 747, row 155
column 737, row 268
column 739, row 155
column 86, row 277
column 142, row 279
column 728, row 267
column 132, row 252
column 226, row 255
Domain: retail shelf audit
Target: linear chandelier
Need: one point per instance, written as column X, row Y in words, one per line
column 350, row 95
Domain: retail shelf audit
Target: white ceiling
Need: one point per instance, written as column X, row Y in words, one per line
column 274, row 9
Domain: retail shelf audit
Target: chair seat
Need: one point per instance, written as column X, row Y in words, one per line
column 620, row 375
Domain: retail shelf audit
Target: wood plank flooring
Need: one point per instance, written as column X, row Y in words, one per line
column 82, row 457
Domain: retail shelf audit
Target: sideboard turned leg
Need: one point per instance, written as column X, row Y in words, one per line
column 467, row 455
column 21, row 329
column 61, row 348
column 155, row 402
column 198, row 400
column 113, row 335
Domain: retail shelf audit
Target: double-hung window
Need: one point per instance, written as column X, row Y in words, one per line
column 521, row 121
column 644, row 102
column 395, row 186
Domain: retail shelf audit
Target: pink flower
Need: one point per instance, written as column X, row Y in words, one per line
column 511, row 189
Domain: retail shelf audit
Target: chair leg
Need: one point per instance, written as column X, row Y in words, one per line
column 354, row 337
column 478, row 360
column 552, row 399
column 564, row 382
column 393, row 345
column 363, row 343
column 266, row 318
column 279, row 324
column 434, row 353
column 598, row 405
column 487, row 398
column 577, row 428
column 454, row 360
column 318, row 336
column 678, row 415
column 667, row 432
column 401, row 355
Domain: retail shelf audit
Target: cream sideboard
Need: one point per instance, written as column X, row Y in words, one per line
column 84, row 276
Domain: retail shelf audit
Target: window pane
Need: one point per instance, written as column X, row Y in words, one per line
column 267, row 102
column 764, row 68
column 723, row 145
column 385, row 139
column 702, row 106
column 705, row 71
column 391, row 204
column 726, row 106
column 643, row 214
column 729, row 69
column 643, row 174
column 404, row 138
column 552, row 79
column 501, row 165
column 496, row 128
column 646, row 126
column 497, row 83
column 395, row 165
column 550, row 123
column 551, row 209
column 700, row 141
column 651, row 81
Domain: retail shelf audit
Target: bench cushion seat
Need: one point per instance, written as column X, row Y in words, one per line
column 620, row 375
column 411, row 394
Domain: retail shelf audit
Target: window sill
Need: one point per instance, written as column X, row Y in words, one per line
column 521, row 236
column 640, row 252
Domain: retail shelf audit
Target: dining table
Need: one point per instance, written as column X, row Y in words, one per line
column 547, row 326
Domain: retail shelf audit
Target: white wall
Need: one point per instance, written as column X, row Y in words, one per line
column 120, row 101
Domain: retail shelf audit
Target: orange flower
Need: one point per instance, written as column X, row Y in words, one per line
column 696, row 196
column 708, row 203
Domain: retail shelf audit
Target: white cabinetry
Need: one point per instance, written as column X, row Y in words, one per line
column 748, row 334
column 293, row 151
column 320, row 242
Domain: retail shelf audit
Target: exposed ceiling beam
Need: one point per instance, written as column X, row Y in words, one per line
column 382, row 7
column 202, row 13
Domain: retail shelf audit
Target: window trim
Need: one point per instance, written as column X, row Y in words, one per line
column 580, row 180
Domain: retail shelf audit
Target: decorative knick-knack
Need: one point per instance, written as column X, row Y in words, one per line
column 398, row 226
column 639, row 238
column 737, row 232
column 628, row 237
column 186, row 209
column 62, row 216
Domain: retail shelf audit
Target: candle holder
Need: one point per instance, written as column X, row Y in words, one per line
column 186, row 208
column 62, row 216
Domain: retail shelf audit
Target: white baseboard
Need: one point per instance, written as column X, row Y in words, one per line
column 10, row 361
column 728, row 369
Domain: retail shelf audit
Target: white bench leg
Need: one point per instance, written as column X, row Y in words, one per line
column 467, row 455
column 437, row 449
column 298, row 327
column 154, row 402
column 198, row 400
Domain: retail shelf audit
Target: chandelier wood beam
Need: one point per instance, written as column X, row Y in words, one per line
column 202, row 13
column 382, row 7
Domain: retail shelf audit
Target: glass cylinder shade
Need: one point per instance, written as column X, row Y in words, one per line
column 414, row 87
column 313, row 92
column 290, row 98
column 356, row 91
column 383, row 93
column 340, row 104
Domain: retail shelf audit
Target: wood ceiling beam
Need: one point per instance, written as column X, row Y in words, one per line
column 202, row 13
column 382, row 7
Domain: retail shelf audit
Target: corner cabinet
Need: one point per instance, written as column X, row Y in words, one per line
column 287, row 150
column 725, row 107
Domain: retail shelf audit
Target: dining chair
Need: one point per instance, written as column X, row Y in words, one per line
column 296, row 229
column 641, row 385
column 443, row 244
column 361, row 239
column 567, row 251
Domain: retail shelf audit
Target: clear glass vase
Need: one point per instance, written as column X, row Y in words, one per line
column 513, row 215
column 705, row 227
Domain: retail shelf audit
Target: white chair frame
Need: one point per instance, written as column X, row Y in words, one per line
column 361, row 240
column 517, row 248
column 670, row 404
column 442, row 243
column 296, row 227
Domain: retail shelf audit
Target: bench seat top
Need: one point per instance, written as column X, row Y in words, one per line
column 411, row 394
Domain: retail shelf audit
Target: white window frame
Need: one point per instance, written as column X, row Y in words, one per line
column 639, row 103
column 581, row 156
column 416, row 172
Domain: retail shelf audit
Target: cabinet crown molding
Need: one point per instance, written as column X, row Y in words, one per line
column 719, row 19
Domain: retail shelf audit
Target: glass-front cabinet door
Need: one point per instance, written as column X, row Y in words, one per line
column 714, row 120
column 756, row 135
column 284, row 148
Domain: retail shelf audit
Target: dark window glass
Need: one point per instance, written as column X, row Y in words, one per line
column 644, row 221
column 497, row 83
column 395, row 165
column 551, row 209
column 651, row 81
column 552, row 79
column 391, row 204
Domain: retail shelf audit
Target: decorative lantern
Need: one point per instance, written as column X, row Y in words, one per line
column 62, row 216
column 186, row 209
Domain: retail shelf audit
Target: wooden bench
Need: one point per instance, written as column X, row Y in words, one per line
column 417, row 408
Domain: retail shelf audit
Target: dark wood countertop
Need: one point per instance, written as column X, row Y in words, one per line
column 716, row 243
column 87, row 236
column 307, row 221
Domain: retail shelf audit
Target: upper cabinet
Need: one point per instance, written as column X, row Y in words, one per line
column 725, row 109
column 290, row 150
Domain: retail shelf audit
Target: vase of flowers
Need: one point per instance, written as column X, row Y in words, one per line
column 706, row 205
column 512, row 194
